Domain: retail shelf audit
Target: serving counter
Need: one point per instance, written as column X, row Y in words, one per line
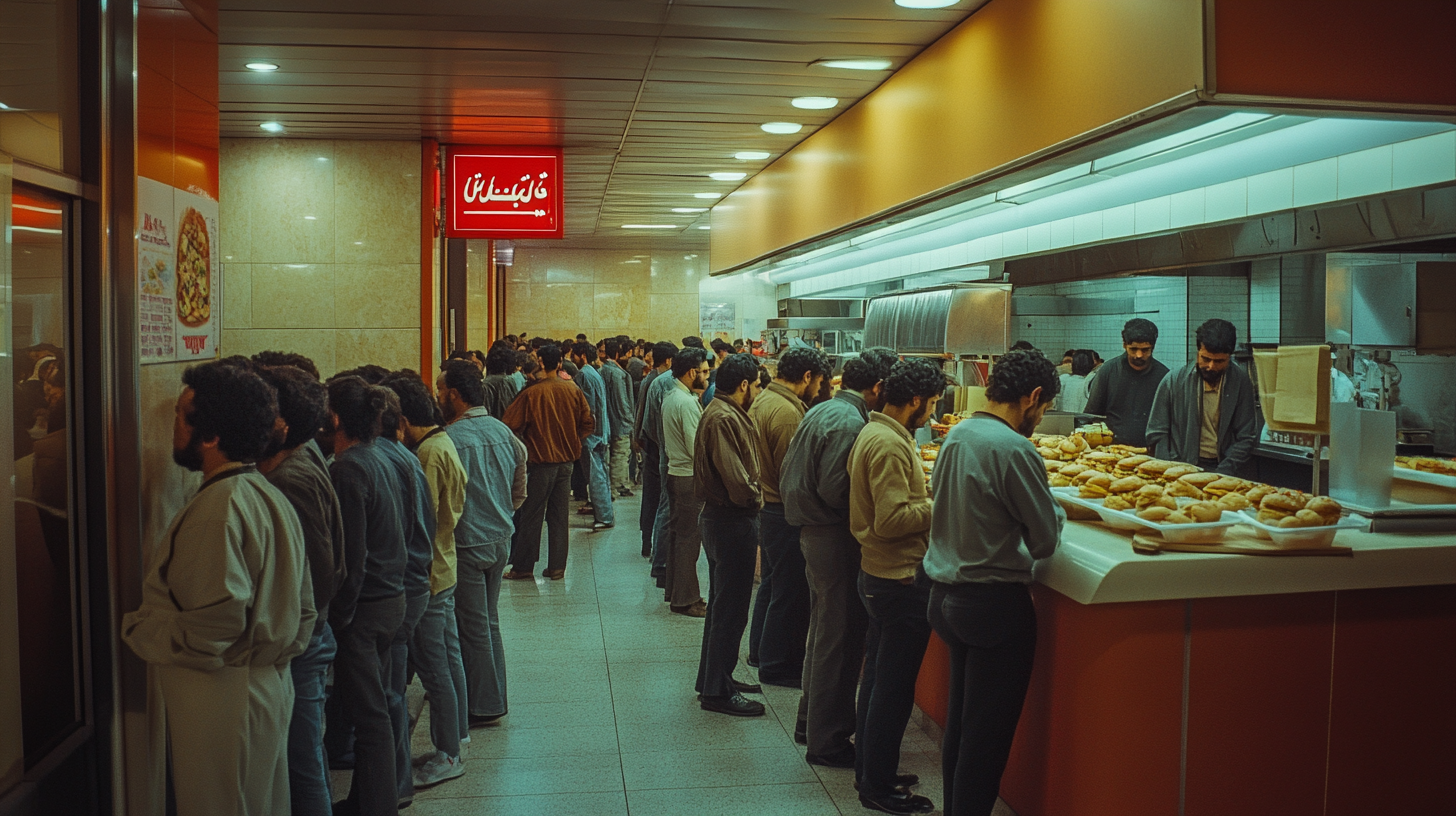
column 1219, row 684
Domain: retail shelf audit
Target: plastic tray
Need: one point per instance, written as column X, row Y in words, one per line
column 1176, row 533
column 1425, row 477
column 1301, row 537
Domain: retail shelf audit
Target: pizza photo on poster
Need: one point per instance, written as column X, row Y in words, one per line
column 195, row 290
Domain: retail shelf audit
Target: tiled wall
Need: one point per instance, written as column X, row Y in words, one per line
column 1264, row 299
column 1161, row 299
column 1223, row 295
column 321, row 250
column 602, row 292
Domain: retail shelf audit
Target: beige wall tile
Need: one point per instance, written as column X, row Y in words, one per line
column 675, row 274
column 292, row 212
column 624, row 270
column 312, row 343
column 568, row 266
column 619, row 309
column 673, row 316
column 569, row 305
column 237, row 295
column 377, row 296
column 293, row 296
column 391, row 348
column 377, row 202
column 236, row 191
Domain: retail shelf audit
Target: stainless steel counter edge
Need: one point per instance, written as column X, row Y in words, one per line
column 1097, row 565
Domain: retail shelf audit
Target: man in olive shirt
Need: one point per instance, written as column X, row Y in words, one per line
column 994, row 516
column 1123, row 389
column 1204, row 413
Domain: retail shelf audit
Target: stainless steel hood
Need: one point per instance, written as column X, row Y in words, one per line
column 968, row 319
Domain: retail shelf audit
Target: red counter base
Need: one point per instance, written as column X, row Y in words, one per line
column 1328, row 704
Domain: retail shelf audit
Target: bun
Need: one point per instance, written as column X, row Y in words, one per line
column 1177, row 472
column 1148, row 494
column 1051, row 465
column 1058, row 480
column 1226, row 485
column 1185, row 489
column 1154, row 468
column 1085, row 476
column 1280, row 505
column 1200, row 479
column 1177, row 517
column 1204, row 512
column 1327, row 508
column 1310, row 518
column 1131, row 463
column 1154, row 513
column 1126, row 484
column 1049, row 453
column 1257, row 493
column 1097, row 487
column 1073, row 469
column 1234, row 501
column 1117, row 503
column 1101, row 459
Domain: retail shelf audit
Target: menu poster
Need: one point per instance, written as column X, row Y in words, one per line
column 714, row 318
column 178, row 272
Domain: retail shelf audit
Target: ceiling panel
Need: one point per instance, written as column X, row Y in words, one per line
column 646, row 97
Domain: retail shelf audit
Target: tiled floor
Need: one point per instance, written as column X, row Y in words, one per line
column 604, row 720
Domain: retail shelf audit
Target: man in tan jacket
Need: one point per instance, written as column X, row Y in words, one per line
column 890, row 513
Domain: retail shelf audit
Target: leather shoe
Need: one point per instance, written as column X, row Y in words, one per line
column 747, row 688
column 901, row 781
column 696, row 609
column 737, row 706
column 554, row 575
column 841, row 759
column 485, row 722
column 898, row 802
column 519, row 576
column 801, row 733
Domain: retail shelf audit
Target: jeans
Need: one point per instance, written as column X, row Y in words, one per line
column 477, row 612
column 786, row 604
column 837, row 626
column 360, row 677
column 898, row 634
column 662, row 522
column 620, row 451
column 991, row 632
column 548, row 501
column 599, row 486
column 651, row 493
column 685, row 542
column 729, row 535
column 308, row 767
column 398, row 676
column 430, row 657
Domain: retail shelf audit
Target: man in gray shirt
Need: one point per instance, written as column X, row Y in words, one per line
column 649, row 429
column 1123, row 389
column 993, row 517
column 619, row 411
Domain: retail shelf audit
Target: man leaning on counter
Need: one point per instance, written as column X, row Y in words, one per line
column 1204, row 414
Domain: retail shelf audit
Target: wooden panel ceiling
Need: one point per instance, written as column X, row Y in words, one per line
column 646, row 96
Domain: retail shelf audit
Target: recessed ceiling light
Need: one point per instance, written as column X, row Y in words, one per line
column 859, row 64
column 310, row 218
column 261, row 66
column 649, row 226
column 705, row 226
column 926, row 4
column 272, row 127
column 814, row 102
column 707, row 195
column 689, row 209
column 782, row 128
column 727, row 176
column 752, row 155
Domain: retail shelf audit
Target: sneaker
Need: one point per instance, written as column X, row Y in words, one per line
column 438, row 768
column 601, row 525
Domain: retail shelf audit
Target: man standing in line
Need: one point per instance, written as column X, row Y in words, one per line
column 994, row 516
column 1204, row 414
column 652, row 427
column 496, row 470
column 815, row 487
column 594, row 455
column 681, row 413
column 552, row 417
column 1123, row 389
column 500, row 384
column 776, row 415
column 726, row 479
column 889, row 514
column 636, row 364
column 298, row 470
column 660, row 359
column 434, row 650
column 227, row 602
column 619, row 413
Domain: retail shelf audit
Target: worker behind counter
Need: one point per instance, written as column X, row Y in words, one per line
column 1123, row 389
column 1204, row 413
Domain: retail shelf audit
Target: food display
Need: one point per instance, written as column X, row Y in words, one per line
column 194, row 272
column 927, row 458
column 1427, row 464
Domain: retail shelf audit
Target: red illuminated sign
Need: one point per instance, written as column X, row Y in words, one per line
column 504, row 193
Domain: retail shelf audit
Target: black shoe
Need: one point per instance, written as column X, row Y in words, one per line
column 646, row 550
column 783, row 682
column 801, row 735
column 658, row 572
column 898, row 802
column 736, row 705
column 747, row 688
column 901, row 781
column 842, row 759
column 752, row 662
column 485, row 722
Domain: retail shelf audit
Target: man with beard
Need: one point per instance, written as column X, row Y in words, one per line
column 681, row 413
column 227, row 602
column 889, row 514
column 994, row 516
column 1123, row 389
column 654, row 515
column 619, row 412
column 726, row 479
column 1204, row 414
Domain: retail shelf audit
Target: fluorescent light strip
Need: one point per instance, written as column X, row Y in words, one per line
column 36, row 209
column 650, row 226
column 35, row 229
column 860, row 64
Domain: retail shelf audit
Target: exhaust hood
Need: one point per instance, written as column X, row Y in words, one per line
column 970, row 319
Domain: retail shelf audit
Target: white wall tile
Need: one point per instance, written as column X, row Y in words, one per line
column 1087, row 228
column 1153, row 215
column 1315, row 182
column 1364, row 173
column 1271, row 192
column 1118, row 222
column 1227, row 201
column 1187, row 208
column 1428, row 160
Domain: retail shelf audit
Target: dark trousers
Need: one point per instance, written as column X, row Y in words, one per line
column 730, row 536
column 991, row 632
column 399, row 677
column 580, row 475
column 760, row 606
column 894, row 648
column 781, row 643
column 359, row 681
column 548, row 501
column 837, row 627
column 651, row 492
column 685, row 542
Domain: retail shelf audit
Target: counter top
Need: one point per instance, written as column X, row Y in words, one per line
column 1096, row 564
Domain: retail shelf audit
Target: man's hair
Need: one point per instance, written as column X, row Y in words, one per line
column 465, row 378
column 358, row 406
column 286, row 358
column 911, row 378
column 735, row 371
column 871, row 366
column 234, row 406
column 796, row 362
column 687, row 360
column 1023, row 345
column 372, row 374
column 389, row 417
column 1217, row 336
column 303, row 402
column 692, row 341
column 585, row 350
column 550, row 356
column 612, row 347
column 581, row 337
column 461, row 354
column 415, row 400
column 1082, row 362
column 530, row 366
column 719, row 346
column 662, row 352
column 1018, row 373
column 499, row 360
column 1140, row 330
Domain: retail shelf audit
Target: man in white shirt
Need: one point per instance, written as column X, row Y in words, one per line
column 681, row 411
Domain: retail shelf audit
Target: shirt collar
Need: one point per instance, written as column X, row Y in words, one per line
column 731, row 403
column 885, row 419
column 783, row 390
column 856, row 399
column 479, row 410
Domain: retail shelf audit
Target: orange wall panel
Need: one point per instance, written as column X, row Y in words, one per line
column 177, row 95
column 1395, row 51
column 1017, row 77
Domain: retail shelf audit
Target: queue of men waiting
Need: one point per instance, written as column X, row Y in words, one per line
column 361, row 528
